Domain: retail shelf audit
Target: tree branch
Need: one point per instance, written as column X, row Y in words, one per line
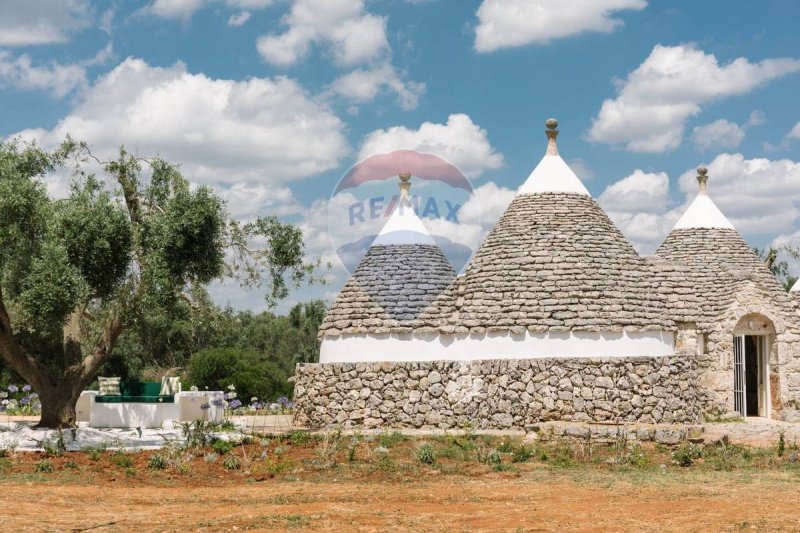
column 15, row 355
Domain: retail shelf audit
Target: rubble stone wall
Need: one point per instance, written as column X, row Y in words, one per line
column 498, row 394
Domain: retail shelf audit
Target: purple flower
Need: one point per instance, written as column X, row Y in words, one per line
column 218, row 403
column 205, row 407
column 283, row 400
column 25, row 400
column 235, row 404
column 26, row 388
column 13, row 388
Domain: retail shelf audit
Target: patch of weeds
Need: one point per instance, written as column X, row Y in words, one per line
column 222, row 447
column 211, row 457
column 227, row 425
column 231, row 462
column 387, row 440
column 122, row 459
column 5, row 464
column 505, row 447
column 184, row 469
column 352, row 448
column 157, row 462
column 502, row 467
column 71, row 465
column 271, row 468
column 130, row 472
column 563, row 456
column 781, row 443
column 55, row 447
column 521, row 454
column 4, row 452
column 426, row 454
column 385, row 464
column 44, row 467
column 327, row 448
column 300, row 437
column 492, row 458
column 686, row 454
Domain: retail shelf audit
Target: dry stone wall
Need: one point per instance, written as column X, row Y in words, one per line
column 497, row 394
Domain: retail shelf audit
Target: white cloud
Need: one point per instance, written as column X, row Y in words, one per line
column 795, row 133
column 460, row 141
column 638, row 204
column 239, row 19
column 363, row 85
column 174, row 9
column 718, row 134
column 258, row 131
column 25, row 22
column 55, row 78
column 352, row 35
column 510, row 23
column 655, row 101
column 722, row 133
column 246, row 202
column 185, row 9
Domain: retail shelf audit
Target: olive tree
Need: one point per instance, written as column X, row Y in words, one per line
column 131, row 238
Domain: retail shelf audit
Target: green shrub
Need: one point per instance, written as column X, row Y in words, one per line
column 252, row 373
column 157, row 462
column 44, row 467
column 222, row 447
column 122, row 460
column 521, row 454
column 426, row 454
column 493, row 458
column 231, row 462
column 686, row 454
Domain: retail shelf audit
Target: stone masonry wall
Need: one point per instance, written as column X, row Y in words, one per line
column 497, row 394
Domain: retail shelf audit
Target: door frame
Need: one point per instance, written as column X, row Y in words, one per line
column 740, row 375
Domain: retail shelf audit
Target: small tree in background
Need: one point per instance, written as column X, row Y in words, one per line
column 75, row 273
column 779, row 267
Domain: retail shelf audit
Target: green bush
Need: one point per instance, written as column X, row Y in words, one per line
column 686, row 454
column 222, row 447
column 231, row 462
column 157, row 462
column 251, row 372
column 426, row 454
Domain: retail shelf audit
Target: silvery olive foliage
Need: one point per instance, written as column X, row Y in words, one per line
column 130, row 239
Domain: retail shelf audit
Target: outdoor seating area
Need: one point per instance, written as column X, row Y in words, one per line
column 149, row 405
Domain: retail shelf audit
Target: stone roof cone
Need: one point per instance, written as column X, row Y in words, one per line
column 397, row 281
column 715, row 258
column 556, row 262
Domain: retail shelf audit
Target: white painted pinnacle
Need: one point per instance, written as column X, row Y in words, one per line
column 404, row 226
column 552, row 174
column 703, row 212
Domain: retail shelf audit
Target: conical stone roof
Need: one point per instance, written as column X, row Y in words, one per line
column 397, row 282
column 556, row 262
column 709, row 259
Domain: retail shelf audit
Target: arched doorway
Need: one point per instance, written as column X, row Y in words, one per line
column 752, row 343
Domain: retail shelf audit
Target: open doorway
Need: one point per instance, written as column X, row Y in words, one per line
column 751, row 371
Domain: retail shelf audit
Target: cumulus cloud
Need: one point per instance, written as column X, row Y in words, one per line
column 639, row 205
column 757, row 195
column 247, row 202
column 239, row 19
column 55, row 78
column 722, row 133
column 25, row 23
column 510, row 23
column 58, row 79
column 673, row 84
column 460, row 141
column 256, row 131
column 795, row 133
column 350, row 34
column 363, row 85
column 185, row 9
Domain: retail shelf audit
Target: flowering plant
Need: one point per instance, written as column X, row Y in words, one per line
column 19, row 401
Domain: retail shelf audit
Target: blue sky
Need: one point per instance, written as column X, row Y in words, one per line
column 271, row 101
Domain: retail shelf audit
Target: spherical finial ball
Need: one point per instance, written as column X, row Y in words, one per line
column 405, row 176
column 702, row 171
column 551, row 123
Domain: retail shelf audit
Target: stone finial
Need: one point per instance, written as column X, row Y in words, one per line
column 552, row 133
column 702, row 178
column 405, row 184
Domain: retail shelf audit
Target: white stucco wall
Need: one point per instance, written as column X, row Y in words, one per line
column 350, row 348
